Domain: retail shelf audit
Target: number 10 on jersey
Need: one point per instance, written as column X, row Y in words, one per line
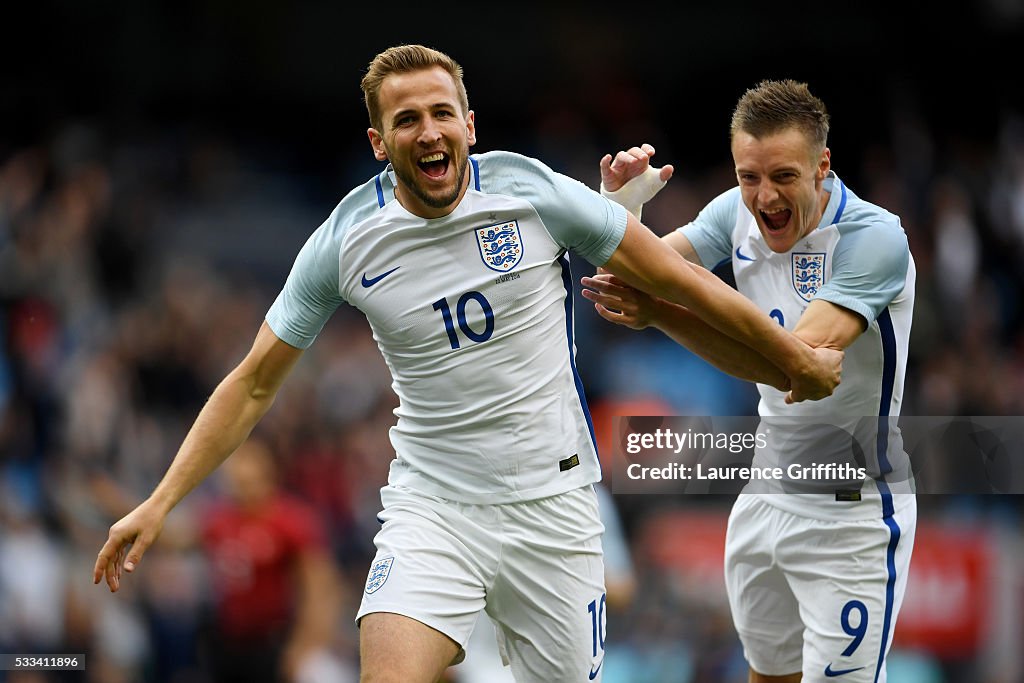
column 460, row 313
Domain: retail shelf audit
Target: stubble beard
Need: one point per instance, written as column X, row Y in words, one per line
column 433, row 201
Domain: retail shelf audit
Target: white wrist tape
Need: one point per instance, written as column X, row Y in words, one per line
column 637, row 192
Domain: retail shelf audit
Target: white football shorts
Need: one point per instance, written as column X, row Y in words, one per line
column 813, row 595
column 535, row 567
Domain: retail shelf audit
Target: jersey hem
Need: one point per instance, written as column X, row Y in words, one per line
column 824, row 507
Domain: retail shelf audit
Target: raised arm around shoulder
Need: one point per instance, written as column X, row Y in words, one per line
column 624, row 305
column 652, row 266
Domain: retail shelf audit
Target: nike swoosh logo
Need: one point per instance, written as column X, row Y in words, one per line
column 841, row 672
column 370, row 282
column 743, row 257
column 593, row 672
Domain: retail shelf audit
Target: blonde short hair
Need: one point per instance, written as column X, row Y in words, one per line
column 404, row 59
column 774, row 106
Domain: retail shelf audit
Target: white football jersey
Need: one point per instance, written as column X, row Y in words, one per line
column 473, row 314
column 857, row 258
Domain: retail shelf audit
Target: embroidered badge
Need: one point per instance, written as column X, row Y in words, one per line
column 378, row 574
column 501, row 245
column 808, row 274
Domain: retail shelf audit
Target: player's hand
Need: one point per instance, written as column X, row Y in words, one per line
column 127, row 542
column 821, row 379
column 617, row 302
column 630, row 164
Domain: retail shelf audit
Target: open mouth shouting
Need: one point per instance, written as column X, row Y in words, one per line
column 434, row 165
column 775, row 220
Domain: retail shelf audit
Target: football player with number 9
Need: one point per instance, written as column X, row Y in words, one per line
column 815, row 578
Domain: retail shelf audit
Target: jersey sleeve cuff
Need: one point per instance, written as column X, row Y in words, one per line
column 849, row 302
column 278, row 327
column 616, row 230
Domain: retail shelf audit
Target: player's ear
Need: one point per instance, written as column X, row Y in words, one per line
column 824, row 165
column 377, row 142
column 471, row 127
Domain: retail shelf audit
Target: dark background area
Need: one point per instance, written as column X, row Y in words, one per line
column 285, row 75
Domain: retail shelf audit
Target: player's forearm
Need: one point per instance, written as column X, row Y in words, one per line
column 725, row 309
column 717, row 348
column 223, row 424
column 645, row 262
column 648, row 264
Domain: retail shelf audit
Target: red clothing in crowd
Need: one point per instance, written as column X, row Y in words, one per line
column 252, row 556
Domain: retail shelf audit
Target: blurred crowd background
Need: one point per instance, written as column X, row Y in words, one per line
column 161, row 164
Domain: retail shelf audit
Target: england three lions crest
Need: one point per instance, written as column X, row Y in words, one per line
column 808, row 274
column 379, row 573
column 501, row 245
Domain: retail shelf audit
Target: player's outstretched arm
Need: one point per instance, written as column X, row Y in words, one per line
column 233, row 409
column 621, row 304
column 644, row 261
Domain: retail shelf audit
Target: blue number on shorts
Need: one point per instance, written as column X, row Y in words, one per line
column 460, row 311
column 777, row 314
column 857, row 631
column 599, row 621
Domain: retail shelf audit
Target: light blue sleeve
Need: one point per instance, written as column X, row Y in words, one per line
column 311, row 292
column 710, row 233
column 869, row 268
column 575, row 216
